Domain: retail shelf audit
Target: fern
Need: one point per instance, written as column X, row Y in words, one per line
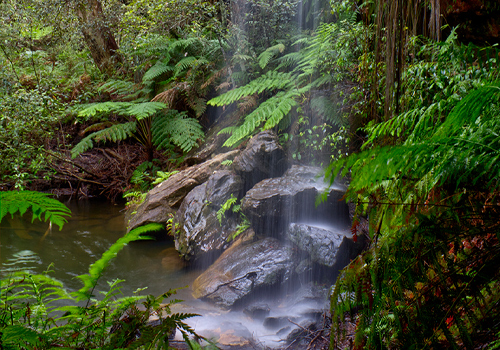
column 157, row 70
column 270, row 81
column 145, row 109
column 114, row 133
column 120, row 87
column 174, row 127
column 96, row 269
column 266, row 56
column 104, row 108
column 41, row 205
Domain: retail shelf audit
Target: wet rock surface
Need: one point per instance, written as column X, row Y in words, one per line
column 328, row 247
column 245, row 268
column 272, row 204
column 166, row 197
column 199, row 230
column 263, row 157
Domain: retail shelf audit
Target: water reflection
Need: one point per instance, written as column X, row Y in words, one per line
column 93, row 227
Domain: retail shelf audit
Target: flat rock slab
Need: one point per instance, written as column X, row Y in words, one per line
column 245, row 268
column 165, row 199
column 326, row 247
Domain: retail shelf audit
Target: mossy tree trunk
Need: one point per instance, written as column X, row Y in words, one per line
column 97, row 35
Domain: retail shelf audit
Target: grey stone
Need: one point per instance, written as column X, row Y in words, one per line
column 245, row 268
column 272, row 204
column 167, row 196
column 198, row 229
column 263, row 157
column 325, row 247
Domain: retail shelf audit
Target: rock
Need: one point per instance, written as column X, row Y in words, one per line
column 262, row 158
column 245, row 268
column 272, row 204
column 230, row 335
column 165, row 198
column 325, row 247
column 199, row 231
column 257, row 311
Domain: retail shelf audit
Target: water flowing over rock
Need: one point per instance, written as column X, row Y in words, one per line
column 272, row 204
column 199, row 231
column 262, row 158
column 324, row 246
column 166, row 197
column 246, row 267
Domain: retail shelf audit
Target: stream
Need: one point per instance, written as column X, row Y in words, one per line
column 92, row 228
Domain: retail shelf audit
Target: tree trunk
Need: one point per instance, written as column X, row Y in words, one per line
column 97, row 35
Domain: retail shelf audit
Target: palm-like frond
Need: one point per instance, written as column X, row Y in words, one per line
column 41, row 205
column 114, row 133
column 177, row 129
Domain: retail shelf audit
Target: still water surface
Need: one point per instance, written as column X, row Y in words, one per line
column 93, row 227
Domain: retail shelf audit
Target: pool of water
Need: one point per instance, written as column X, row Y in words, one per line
column 92, row 228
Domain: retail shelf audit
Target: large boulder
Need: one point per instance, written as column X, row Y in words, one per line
column 263, row 157
column 272, row 204
column 242, row 270
column 165, row 198
column 198, row 229
column 326, row 246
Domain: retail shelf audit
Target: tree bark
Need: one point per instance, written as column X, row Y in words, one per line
column 97, row 35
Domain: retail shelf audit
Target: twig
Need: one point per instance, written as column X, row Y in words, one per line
column 70, row 162
column 305, row 329
column 78, row 178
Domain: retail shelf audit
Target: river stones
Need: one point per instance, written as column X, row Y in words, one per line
column 246, row 267
column 165, row 198
column 199, row 231
column 272, row 204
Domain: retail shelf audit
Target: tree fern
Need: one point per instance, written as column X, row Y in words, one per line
column 269, row 53
column 41, row 205
column 157, row 70
column 175, row 128
column 117, row 132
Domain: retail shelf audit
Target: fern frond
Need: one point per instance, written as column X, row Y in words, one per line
column 157, row 70
column 120, row 87
column 114, row 133
column 40, row 204
column 269, row 53
column 96, row 269
column 174, row 127
column 104, row 107
column 270, row 81
column 270, row 111
column 145, row 109
column 324, row 107
column 183, row 64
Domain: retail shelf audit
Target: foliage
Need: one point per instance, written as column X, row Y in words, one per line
column 428, row 180
column 27, row 119
column 40, row 204
column 38, row 312
column 288, row 87
column 230, row 204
